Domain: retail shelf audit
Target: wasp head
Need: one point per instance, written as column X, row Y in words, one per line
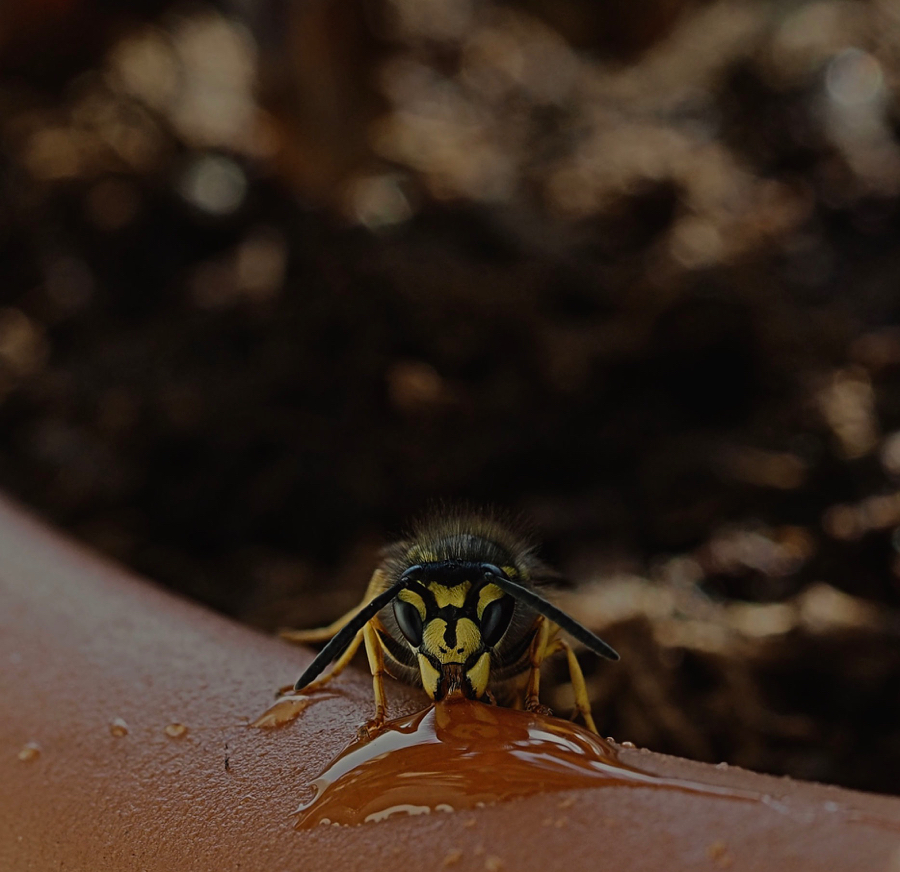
column 452, row 616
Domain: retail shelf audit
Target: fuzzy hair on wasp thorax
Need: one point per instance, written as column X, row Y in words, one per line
column 455, row 607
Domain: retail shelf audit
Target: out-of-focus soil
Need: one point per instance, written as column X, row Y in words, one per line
column 271, row 284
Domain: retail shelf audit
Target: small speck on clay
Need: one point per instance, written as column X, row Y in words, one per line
column 718, row 853
column 29, row 751
column 453, row 857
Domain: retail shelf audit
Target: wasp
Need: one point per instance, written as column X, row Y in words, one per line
column 456, row 608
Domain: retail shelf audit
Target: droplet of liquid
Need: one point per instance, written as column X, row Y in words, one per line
column 176, row 731
column 30, row 751
column 285, row 709
column 118, row 728
column 461, row 755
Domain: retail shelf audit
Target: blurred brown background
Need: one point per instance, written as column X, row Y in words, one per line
column 277, row 274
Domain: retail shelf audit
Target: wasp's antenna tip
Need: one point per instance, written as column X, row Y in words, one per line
column 600, row 647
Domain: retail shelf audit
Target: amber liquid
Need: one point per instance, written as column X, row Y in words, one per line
column 462, row 754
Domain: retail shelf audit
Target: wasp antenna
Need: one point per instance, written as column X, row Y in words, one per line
column 548, row 610
column 340, row 642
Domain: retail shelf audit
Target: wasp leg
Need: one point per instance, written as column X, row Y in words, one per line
column 323, row 634
column 376, row 665
column 537, row 652
column 339, row 666
column 582, row 703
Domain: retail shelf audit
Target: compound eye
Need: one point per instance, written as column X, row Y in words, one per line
column 409, row 620
column 495, row 620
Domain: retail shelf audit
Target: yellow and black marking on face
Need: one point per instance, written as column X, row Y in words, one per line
column 452, row 618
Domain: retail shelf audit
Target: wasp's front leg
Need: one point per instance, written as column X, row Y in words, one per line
column 376, row 665
column 536, row 653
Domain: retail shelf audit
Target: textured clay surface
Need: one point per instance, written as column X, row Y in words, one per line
column 125, row 744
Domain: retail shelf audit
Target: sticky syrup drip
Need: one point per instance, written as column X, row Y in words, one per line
column 464, row 754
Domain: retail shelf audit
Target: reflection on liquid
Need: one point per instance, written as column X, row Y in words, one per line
column 462, row 754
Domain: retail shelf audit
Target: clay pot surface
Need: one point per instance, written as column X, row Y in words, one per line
column 125, row 743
